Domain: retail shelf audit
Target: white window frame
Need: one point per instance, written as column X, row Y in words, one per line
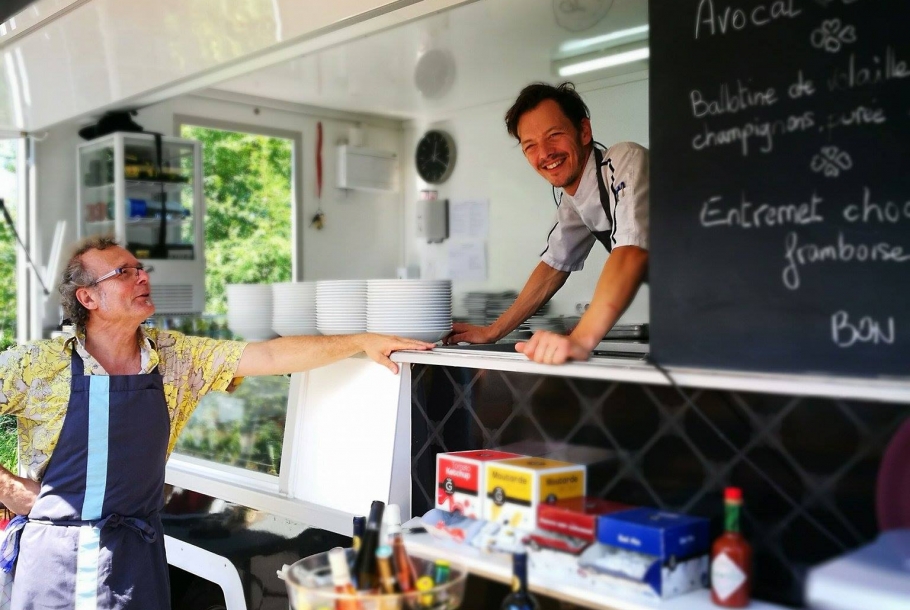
column 232, row 482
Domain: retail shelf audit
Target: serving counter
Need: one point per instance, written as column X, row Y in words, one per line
column 805, row 449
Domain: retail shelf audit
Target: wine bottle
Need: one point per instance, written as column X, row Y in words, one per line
column 520, row 598
column 731, row 558
column 365, row 565
column 359, row 525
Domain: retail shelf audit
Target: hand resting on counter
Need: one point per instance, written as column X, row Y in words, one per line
column 551, row 348
column 469, row 333
column 295, row 354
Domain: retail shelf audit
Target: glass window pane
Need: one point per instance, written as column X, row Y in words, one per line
column 247, row 186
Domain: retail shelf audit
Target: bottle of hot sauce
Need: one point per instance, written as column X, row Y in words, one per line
column 731, row 558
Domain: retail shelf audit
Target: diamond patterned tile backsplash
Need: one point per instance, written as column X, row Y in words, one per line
column 807, row 466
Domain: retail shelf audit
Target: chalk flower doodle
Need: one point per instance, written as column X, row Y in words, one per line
column 831, row 35
column 831, row 161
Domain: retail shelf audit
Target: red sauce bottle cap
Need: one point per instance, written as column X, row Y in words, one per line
column 733, row 493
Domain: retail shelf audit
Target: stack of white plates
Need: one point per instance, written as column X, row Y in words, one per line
column 294, row 308
column 341, row 307
column 250, row 311
column 418, row 309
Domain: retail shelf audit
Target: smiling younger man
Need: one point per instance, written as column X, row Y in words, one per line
column 602, row 197
column 99, row 413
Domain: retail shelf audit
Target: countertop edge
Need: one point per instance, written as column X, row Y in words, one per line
column 613, row 369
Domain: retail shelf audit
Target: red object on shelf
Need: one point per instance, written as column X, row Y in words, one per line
column 576, row 517
column 319, row 160
column 731, row 558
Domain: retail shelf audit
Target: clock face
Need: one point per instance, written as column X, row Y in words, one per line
column 578, row 15
column 435, row 156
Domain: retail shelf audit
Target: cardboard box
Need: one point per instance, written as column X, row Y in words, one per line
column 515, row 488
column 655, row 532
column 460, row 480
column 565, row 528
column 576, row 517
column 656, row 553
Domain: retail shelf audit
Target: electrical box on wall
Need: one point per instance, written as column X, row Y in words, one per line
column 367, row 169
column 433, row 220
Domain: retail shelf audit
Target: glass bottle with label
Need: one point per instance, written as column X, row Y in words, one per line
column 365, row 570
column 731, row 558
column 520, row 598
column 341, row 579
column 359, row 525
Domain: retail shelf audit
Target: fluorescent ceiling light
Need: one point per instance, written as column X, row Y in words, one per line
column 589, row 63
column 573, row 46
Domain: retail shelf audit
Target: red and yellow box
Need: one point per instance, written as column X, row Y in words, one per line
column 460, row 480
column 515, row 488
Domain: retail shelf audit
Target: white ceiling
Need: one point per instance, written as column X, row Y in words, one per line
column 495, row 48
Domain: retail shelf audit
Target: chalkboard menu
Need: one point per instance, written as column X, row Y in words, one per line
column 780, row 185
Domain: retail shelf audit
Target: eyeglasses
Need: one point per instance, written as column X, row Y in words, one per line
column 126, row 273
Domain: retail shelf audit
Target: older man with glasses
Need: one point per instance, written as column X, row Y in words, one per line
column 99, row 413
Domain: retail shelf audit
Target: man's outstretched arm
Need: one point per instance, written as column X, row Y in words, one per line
column 295, row 354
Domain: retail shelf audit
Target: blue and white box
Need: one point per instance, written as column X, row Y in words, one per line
column 657, row 553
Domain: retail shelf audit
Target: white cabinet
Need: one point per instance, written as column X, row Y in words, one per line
column 147, row 194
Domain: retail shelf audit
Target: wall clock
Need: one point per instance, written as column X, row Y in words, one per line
column 435, row 156
column 578, row 15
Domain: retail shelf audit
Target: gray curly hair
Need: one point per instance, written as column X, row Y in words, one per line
column 76, row 276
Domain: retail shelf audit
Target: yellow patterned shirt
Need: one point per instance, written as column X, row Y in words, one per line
column 35, row 383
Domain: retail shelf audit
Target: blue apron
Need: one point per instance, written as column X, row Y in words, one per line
column 94, row 539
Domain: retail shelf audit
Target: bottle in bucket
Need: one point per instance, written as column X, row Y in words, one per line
column 387, row 581
column 365, row 566
column 359, row 524
column 441, row 572
column 341, row 579
column 404, row 569
column 425, row 584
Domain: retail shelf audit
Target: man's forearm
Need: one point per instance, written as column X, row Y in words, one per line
column 619, row 282
column 544, row 282
column 295, row 354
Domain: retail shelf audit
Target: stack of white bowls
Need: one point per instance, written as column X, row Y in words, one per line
column 341, row 307
column 418, row 309
column 294, row 308
column 250, row 311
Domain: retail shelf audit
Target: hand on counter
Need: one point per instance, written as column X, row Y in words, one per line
column 551, row 348
column 468, row 333
column 379, row 347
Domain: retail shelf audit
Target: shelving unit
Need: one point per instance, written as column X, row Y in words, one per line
column 498, row 566
column 151, row 202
